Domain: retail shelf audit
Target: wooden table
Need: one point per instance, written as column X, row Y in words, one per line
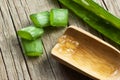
column 14, row 65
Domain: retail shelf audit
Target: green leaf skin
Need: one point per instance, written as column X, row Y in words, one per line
column 30, row 33
column 32, row 48
column 59, row 17
column 93, row 20
column 41, row 19
column 99, row 11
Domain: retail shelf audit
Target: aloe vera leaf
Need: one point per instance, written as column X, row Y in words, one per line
column 94, row 21
column 99, row 11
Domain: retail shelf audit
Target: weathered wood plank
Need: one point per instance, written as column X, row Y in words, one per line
column 113, row 7
column 11, row 52
column 3, row 74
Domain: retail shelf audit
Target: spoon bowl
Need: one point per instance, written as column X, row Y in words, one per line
column 87, row 54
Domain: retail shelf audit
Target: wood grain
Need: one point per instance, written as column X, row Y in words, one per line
column 14, row 61
column 3, row 76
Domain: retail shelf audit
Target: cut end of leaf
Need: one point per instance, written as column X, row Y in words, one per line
column 30, row 33
column 34, row 54
column 40, row 19
column 24, row 35
column 59, row 17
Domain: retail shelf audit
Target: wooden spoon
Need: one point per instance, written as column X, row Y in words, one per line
column 87, row 54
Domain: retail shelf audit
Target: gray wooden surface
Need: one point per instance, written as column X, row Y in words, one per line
column 14, row 65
